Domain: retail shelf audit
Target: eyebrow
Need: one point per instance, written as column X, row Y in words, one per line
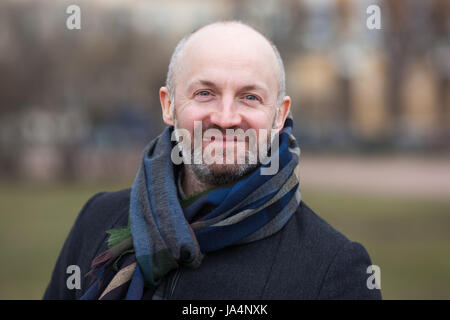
column 252, row 87
column 206, row 83
column 214, row 86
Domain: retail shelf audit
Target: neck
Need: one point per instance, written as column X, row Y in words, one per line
column 191, row 184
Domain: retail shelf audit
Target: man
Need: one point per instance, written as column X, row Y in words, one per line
column 215, row 225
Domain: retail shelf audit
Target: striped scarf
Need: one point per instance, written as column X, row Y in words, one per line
column 160, row 236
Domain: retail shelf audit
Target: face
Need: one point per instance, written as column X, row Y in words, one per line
column 227, row 82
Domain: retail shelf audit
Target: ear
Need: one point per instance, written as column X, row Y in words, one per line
column 283, row 112
column 166, row 106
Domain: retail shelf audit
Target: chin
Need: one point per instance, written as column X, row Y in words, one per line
column 217, row 169
column 219, row 174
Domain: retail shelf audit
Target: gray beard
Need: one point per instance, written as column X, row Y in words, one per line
column 220, row 174
column 217, row 174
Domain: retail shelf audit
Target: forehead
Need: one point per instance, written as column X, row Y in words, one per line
column 229, row 55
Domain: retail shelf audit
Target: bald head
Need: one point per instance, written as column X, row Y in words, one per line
column 232, row 42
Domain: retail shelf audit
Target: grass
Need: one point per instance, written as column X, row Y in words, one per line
column 34, row 222
column 408, row 238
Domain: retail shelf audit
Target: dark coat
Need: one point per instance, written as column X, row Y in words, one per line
column 307, row 259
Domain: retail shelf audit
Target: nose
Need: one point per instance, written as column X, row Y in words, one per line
column 227, row 114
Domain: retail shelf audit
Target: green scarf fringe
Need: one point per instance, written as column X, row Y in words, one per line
column 118, row 235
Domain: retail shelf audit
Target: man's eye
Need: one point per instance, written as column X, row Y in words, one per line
column 203, row 93
column 251, row 97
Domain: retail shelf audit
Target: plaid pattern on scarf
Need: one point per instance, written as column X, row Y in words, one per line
column 161, row 238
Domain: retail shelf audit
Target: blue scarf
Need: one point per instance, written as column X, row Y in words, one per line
column 161, row 237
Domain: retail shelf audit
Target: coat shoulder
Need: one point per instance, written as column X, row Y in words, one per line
column 316, row 261
column 308, row 227
column 87, row 238
column 103, row 211
column 105, row 206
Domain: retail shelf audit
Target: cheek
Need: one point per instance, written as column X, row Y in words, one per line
column 187, row 115
column 260, row 120
column 185, row 122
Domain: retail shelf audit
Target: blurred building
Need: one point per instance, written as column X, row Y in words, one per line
column 83, row 103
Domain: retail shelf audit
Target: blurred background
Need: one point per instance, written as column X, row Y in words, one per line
column 371, row 111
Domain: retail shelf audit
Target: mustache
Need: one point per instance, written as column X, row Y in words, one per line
column 223, row 131
column 235, row 134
